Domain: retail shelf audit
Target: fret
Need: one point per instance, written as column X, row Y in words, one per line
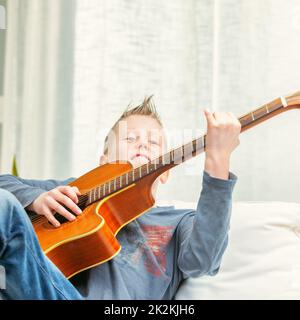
column 195, row 146
column 181, row 154
column 100, row 192
column 121, row 181
column 260, row 113
column 114, row 184
column 284, row 102
column 190, row 151
column 168, row 158
column 275, row 105
column 184, row 152
column 178, row 155
column 109, row 187
column 161, row 161
column 103, row 187
column 147, row 167
column 140, row 172
column 252, row 115
column 267, row 108
column 203, row 142
column 127, row 178
column 90, row 197
column 175, row 156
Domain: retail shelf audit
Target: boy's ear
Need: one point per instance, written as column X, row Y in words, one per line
column 103, row 160
column 163, row 178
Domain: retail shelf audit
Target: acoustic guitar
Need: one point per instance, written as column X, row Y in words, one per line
column 114, row 194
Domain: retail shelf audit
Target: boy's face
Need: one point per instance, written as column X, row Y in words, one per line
column 137, row 139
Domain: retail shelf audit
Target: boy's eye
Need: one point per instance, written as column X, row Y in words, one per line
column 130, row 139
column 153, row 142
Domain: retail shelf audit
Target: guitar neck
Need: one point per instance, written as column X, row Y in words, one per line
column 263, row 113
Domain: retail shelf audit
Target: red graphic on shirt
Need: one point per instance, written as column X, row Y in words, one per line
column 157, row 238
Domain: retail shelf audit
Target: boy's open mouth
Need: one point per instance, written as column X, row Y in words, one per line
column 140, row 155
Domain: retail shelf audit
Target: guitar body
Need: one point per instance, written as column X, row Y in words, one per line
column 90, row 239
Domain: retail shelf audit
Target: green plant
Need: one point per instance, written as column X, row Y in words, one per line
column 14, row 167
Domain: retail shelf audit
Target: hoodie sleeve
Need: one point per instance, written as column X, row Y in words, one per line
column 202, row 235
column 27, row 190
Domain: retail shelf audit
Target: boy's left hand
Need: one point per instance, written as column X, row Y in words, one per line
column 223, row 130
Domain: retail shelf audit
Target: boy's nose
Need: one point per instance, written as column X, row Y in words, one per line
column 142, row 141
column 142, row 144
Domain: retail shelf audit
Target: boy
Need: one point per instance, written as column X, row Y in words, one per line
column 159, row 249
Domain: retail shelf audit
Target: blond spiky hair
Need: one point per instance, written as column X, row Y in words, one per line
column 146, row 108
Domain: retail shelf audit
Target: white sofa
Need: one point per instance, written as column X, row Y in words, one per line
column 262, row 260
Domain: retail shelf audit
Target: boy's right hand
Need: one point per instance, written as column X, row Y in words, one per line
column 51, row 202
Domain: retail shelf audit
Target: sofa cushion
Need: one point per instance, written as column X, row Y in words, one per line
column 262, row 260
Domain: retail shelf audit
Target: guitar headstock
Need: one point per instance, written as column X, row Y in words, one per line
column 293, row 100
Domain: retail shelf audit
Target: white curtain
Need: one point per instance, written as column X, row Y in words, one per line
column 38, row 88
column 228, row 55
